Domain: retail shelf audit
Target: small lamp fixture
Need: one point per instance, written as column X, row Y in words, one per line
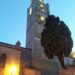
column 42, row 18
column 13, row 70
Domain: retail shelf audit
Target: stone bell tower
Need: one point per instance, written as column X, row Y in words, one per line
column 36, row 15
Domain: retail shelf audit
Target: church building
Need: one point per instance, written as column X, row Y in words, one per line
column 17, row 60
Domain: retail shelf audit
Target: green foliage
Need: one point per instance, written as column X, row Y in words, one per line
column 56, row 38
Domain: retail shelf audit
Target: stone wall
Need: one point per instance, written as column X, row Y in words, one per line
column 68, row 71
column 12, row 60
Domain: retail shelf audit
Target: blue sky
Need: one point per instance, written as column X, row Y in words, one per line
column 13, row 18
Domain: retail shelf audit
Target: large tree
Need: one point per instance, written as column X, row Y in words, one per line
column 56, row 39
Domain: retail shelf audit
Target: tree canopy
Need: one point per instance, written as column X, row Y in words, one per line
column 56, row 39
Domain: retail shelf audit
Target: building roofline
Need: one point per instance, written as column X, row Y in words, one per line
column 12, row 46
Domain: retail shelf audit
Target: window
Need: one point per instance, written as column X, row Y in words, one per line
column 41, row 1
column 30, row 11
column 42, row 18
column 41, row 5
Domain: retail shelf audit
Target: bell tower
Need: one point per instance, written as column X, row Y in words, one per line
column 36, row 15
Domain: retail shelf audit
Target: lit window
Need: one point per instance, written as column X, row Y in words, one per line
column 30, row 11
column 41, row 5
column 73, row 55
column 42, row 18
column 41, row 1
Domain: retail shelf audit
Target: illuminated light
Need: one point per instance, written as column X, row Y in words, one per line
column 42, row 18
column 41, row 1
column 41, row 5
column 73, row 55
column 30, row 12
column 13, row 69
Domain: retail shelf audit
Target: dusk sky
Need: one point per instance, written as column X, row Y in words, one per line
column 13, row 18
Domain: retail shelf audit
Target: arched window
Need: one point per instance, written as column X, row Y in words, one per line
column 3, row 60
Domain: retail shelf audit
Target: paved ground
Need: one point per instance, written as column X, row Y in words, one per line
column 68, row 71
